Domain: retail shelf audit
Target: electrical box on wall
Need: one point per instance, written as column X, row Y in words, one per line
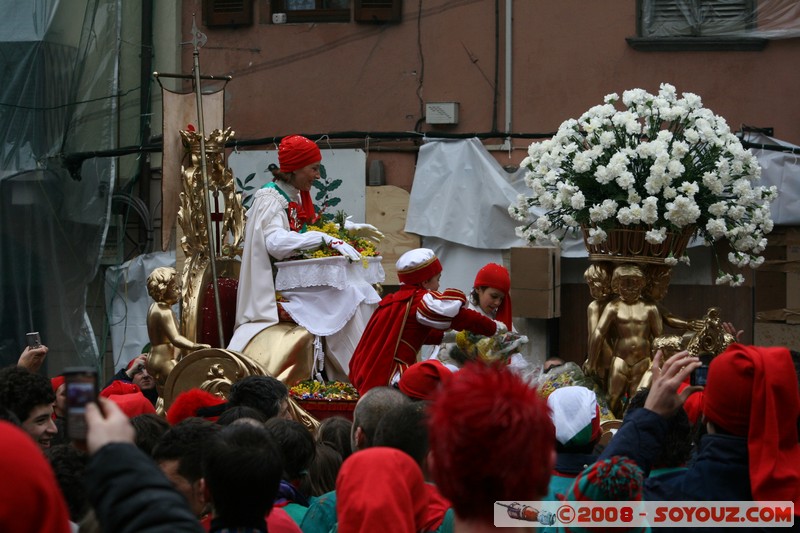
column 441, row 113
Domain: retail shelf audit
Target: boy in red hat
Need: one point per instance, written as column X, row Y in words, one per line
column 414, row 315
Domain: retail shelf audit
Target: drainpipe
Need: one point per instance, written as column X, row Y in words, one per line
column 145, row 77
column 507, row 143
column 506, row 146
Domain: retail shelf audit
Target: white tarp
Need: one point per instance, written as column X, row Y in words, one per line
column 127, row 302
column 781, row 169
column 459, row 205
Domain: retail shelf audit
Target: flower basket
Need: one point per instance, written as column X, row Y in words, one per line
column 657, row 161
column 570, row 375
column 322, row 409
column 324, row 400
column 331, row 271
column 630, row 244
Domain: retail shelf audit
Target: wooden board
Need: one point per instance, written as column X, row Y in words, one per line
column 387, row 207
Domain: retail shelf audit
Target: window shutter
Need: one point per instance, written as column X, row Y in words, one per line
column 670, row 18
column 378, row 10
column 227, row 12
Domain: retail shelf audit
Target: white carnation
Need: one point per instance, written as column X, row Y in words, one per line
column 716, row 228
column 656, row 236
column 682, row 211
column 596, row 236
column 578, row 201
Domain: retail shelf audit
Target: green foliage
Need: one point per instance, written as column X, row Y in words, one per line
column 324, row 199
column 247, row 196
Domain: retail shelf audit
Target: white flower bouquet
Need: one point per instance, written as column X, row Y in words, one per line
column 663, row 165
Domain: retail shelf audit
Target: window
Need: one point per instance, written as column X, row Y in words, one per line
column 693, row 18
column 313, row 10
column 378, row 10
column 695, row 25
column 227, row 12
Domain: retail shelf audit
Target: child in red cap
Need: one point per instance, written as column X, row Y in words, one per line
column 489, row 297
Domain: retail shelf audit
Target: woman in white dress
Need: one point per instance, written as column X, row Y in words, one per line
column 275, row 230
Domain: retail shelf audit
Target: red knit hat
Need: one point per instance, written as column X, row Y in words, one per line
column 133, row 404
column 56, row 382
column 119, row 387
column 129, row 397
column 417, row 266
column 496, row 277
column 188, row 402
column 296, row 152
column 421, row 380
column 763, row 407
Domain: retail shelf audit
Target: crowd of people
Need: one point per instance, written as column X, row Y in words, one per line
column 439, row 452
column 441, row 445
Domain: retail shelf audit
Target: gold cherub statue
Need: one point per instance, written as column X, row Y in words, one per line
column 167, row 345
column 629, row 323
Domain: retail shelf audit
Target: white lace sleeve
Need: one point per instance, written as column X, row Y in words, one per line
column 282, row 243
column 271, row 217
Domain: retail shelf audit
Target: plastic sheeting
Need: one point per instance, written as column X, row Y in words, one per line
column 59, row 63
column 768, row 19
column 459, row 205
column 128, row 302
column 461, row 194
column 781, row 169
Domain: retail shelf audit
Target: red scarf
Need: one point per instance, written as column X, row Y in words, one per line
column 306, row 213
column 299, row 214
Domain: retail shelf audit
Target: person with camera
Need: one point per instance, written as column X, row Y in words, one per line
column 118, row 469
column 29, row 398
column 32, row 357
column 751, row 406
column 136, row 373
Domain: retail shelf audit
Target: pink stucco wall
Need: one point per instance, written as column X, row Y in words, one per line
column 321, row 78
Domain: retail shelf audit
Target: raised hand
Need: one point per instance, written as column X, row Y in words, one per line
column 664, row 398
column 367, row 231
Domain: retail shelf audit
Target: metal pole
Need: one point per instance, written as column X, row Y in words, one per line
column 198, row 39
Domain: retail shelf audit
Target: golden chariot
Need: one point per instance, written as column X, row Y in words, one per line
column 285, row 350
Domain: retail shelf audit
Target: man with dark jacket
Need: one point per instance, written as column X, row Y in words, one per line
column 128, row 491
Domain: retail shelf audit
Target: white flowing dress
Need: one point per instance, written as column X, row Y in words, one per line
column 338, row 314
